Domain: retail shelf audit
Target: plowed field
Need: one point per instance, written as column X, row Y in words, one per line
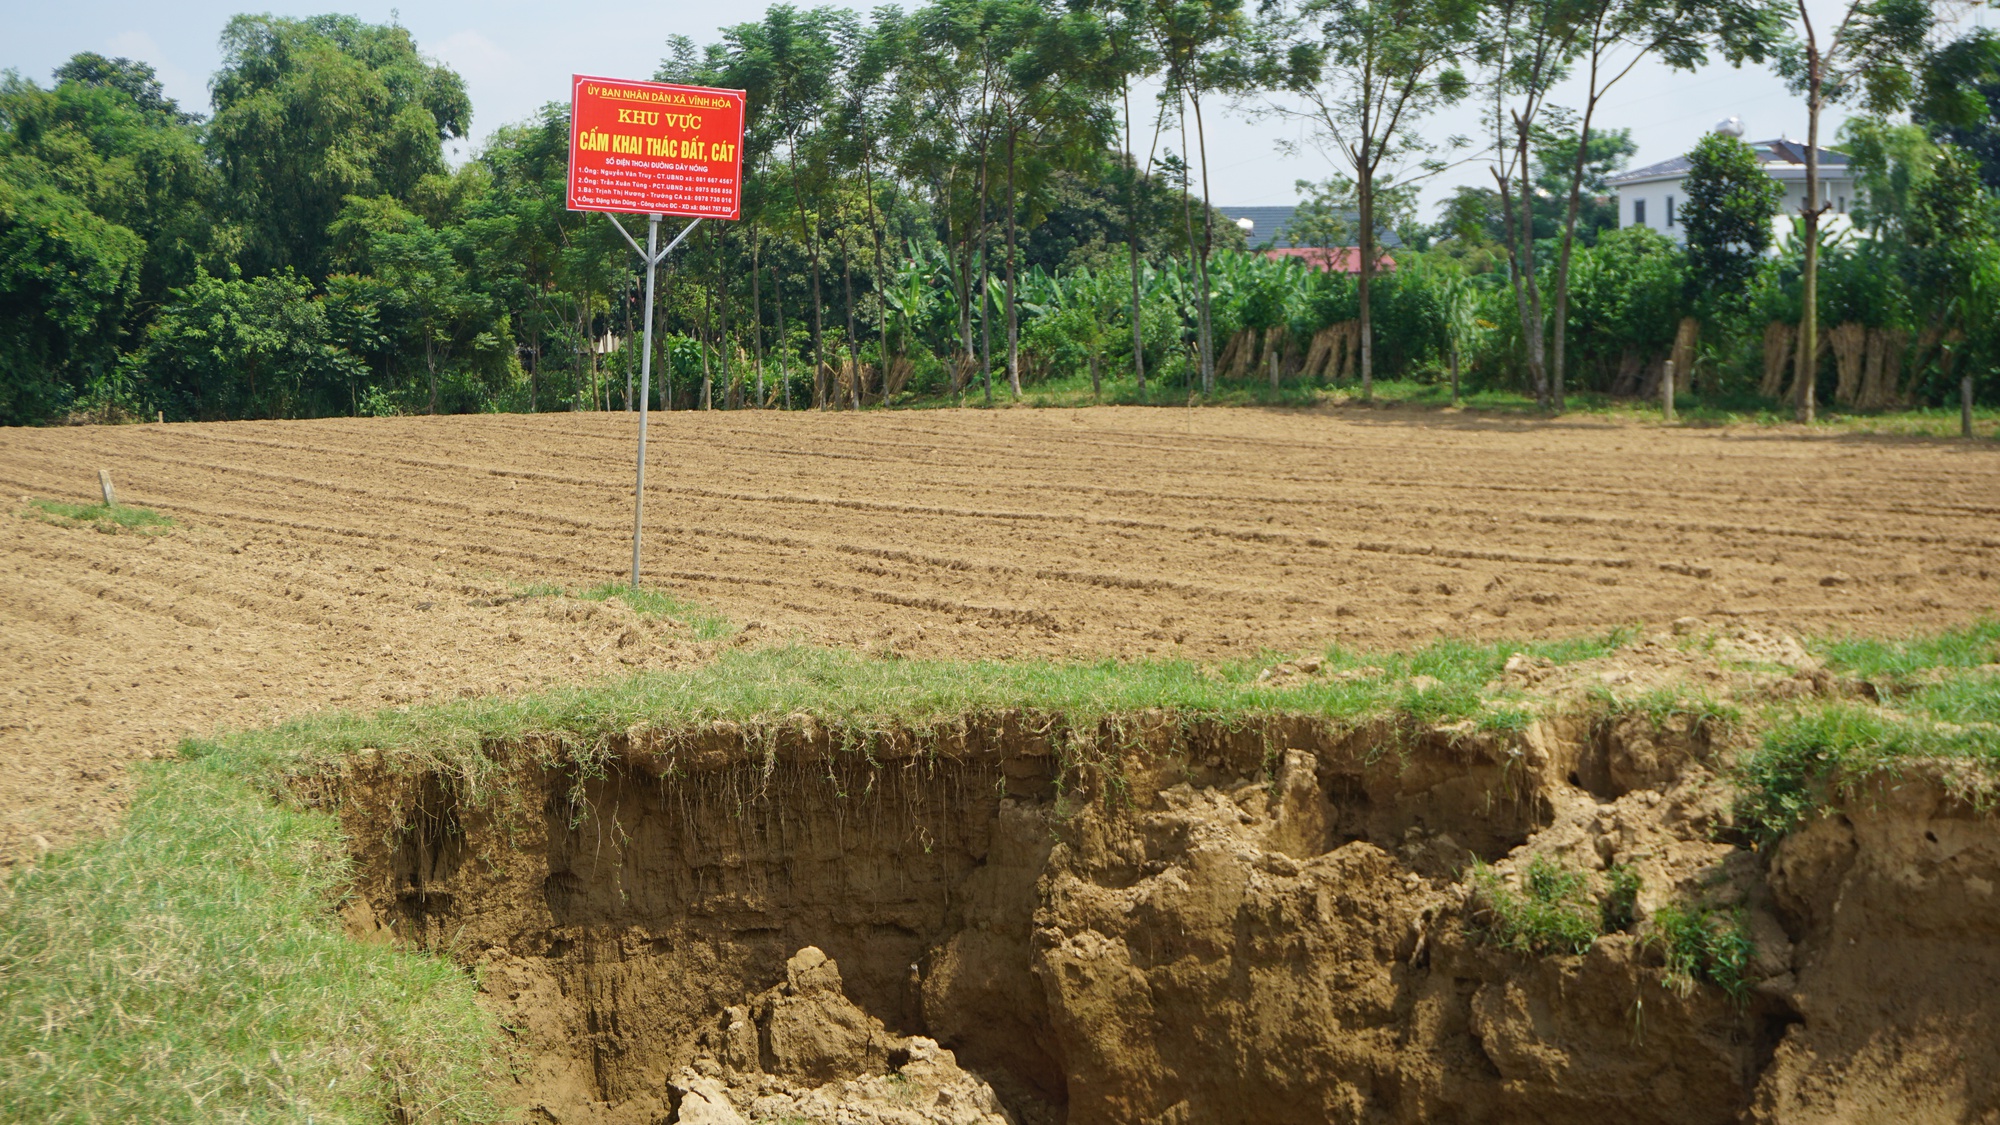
column 361, row 563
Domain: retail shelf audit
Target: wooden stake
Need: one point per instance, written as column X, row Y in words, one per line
column 104, row 482
column 1667, row 390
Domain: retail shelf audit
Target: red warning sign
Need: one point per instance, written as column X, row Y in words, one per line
column 655, row 148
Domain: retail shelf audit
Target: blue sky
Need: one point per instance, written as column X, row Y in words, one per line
column 514, row 56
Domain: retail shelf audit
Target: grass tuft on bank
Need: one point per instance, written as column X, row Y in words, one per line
column 1936, row 705
column 190, row 967
column 108, row 518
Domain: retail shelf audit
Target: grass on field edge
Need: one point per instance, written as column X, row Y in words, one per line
column 1074, row 391
column 190, row 966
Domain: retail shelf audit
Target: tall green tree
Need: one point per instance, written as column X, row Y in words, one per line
column 1366, row 73
column 1726, row 216
column 1616, row 36
column 1873, row 54
column 311, row 111
column 1205, row 50
column 67, row 279
column 106, row 136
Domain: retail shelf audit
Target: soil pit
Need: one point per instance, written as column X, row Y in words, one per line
column 1265, row 924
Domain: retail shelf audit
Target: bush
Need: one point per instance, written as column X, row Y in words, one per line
column 1704, row 945
column 1554, row 912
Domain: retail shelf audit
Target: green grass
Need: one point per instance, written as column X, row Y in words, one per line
column 1553, row 912
column 189, row 967
column 864, row 696
column 108, row 518
column 1893, row 665
column 1939, row 706
column 1073, row 390
column 706, row 624
column 1704, row 945
column 1811, row 760
column 1619, row 908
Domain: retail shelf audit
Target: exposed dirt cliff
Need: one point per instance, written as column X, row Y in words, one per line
column 1182, row 923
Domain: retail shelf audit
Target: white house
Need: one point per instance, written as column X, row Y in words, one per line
column 1651, row 196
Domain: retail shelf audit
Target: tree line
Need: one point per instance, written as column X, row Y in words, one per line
column 957, row 201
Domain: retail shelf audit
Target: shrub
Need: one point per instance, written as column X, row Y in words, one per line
column 1553, row 912
column 1704, row 945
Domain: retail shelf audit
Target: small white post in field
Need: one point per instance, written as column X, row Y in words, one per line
column 1667, row 390
column 104, row 483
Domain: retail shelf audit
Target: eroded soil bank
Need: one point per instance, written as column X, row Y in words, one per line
column 1272, row 924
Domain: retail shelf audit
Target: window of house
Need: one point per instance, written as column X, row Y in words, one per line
column 1638, row 212
column 1670, row 210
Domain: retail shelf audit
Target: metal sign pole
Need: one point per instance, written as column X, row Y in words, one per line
column 645, row 391
column 653, row 258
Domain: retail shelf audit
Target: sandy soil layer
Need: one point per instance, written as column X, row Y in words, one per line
column 363, row 563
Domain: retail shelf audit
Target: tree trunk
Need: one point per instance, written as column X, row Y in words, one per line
column 1013, row 319
column 881, row 278
column 757, row 309
column 784, row 341
column 1808, row 372
column 853, row 356
column 1558, row 359
column 1365, row 191
column 986, row 320
column 1206, row 326
column 1132, row 245
column 722, row 329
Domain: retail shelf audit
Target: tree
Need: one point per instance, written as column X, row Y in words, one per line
column 246, row 348
column 789, row 65
column 1960, row 99
column 67, row 277
column 1201, row 46
column 107, row 138
column 1876, row 52
column 1365, row 73
column 1616, row 35
column 1726, row 215
column 309, row 112
column 1053, row 112
column 1529, row 45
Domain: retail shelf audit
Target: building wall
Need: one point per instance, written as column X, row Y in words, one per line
column 1663, row 199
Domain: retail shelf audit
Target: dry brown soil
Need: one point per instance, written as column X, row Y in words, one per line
column 361, row 563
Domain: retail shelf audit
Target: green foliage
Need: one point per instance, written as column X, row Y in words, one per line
column 247, row 348
column 309, row 112
column 1619, row 908
column 1812, row 759
column 108, row 518
column 189, row 966
column 1726, row 216
column 1704, row 945
column 67, row 281
column 1553, row 912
